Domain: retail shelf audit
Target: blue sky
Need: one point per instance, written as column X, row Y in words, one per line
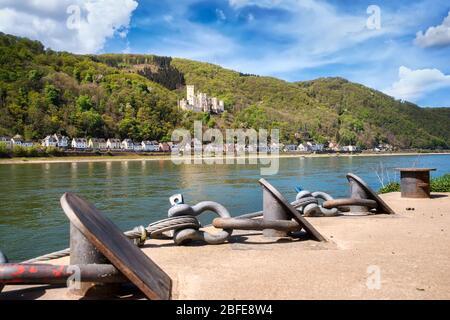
column 405, row 53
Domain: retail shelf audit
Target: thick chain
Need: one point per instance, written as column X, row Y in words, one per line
column 315, row 209
column 139, row 234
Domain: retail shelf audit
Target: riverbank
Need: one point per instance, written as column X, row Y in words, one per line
column 165, row 157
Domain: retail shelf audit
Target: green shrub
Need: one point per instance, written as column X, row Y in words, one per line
column 5, row 152
column 52, row 151
column 19, row 151
column 34, row 151
column 390, row 187
column 440, row 184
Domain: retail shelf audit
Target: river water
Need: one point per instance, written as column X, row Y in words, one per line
column 135, row 193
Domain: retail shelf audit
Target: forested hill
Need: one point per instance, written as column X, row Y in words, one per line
column 42, row 92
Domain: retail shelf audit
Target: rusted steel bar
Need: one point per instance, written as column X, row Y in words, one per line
column 256, row 224
column 21, row 274
column 3, row 259
column 350, row 202
column 296, row 204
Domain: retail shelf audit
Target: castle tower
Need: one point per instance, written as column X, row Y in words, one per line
column 221, row 107
column 215, row 105
column 190, row 91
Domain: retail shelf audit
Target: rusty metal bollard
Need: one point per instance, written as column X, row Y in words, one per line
column 273, row 211
column 415, row 182
column 93, row 238
column 362, row 199
column 83, row 252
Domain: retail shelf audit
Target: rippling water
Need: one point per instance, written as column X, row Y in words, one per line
column 135, row 193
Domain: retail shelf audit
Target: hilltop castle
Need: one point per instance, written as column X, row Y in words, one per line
column 200, row 102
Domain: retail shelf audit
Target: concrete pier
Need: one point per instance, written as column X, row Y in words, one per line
column 401, row 256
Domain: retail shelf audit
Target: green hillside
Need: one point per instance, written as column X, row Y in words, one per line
column 42, row 92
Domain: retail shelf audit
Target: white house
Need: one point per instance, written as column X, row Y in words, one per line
column 304, row 147
column 384, row 147
column 197, row 145
column 274, row 147
column 113, row 144
column 150, row 146
column 164, row 147
column 290, row 148
column 229, row 147
column 315, row 147
column 62, row 141
column 17, row 140
column 262, row 148
column 127, row 144
column 27, row 144
column 214, row 148
column 333, row 146
column 175, row 148
column 49, row 141
column 186, row 148
column 251, row 148
column 97, row 143
column 349, row 148
column 240, row 148
column 137, row 147
column 6, row 141
column 79, row 143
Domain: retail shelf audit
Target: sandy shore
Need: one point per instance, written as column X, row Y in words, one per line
column 168, row 157
column 407, row 252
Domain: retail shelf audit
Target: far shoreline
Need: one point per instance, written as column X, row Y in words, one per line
column 167, row 157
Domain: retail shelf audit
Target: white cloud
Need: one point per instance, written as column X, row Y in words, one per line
column 168, row 18
column 221, row 15
column 437, row 36
column 195, row 42
column 415, row 84
column 47, row 21
column 259, row 3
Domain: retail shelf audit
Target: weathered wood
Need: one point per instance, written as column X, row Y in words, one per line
column 382, row 206
column 292, row 211
column 118, row 249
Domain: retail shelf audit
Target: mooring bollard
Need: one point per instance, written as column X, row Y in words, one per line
column 363, row 200
column 102, row 258
column 415, row 182
column 289, row 211
column 273, row 211
column 83, row 252
column 357, row 192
